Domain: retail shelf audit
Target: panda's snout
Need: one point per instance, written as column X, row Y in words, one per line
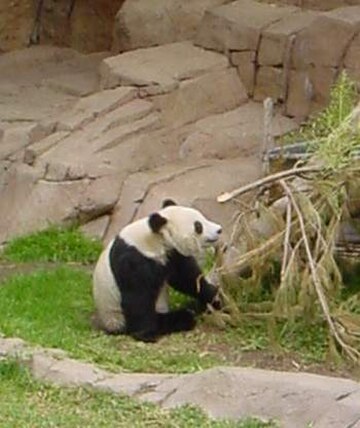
column 214, row 234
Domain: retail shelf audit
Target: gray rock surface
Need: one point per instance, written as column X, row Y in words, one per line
column 140, row 23
column 237, row 26
column 284, row 52
column 78, row 132
column 70, row 157
column 296, row 400
column 159, row 68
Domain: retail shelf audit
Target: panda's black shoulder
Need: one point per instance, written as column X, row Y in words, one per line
column 120, row 249
column 126, row 259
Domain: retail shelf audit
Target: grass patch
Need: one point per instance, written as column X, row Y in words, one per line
column 54, row 244
column 53, row 309
column 30, row 403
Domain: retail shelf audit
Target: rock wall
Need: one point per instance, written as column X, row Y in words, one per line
column 102, row 140
column 289, row 50
column 315, row 4
column 143, row 23
column 87, row 27
column 289, row 54
column 16, row 20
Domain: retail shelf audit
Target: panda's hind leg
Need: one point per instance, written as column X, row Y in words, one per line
column 145, row 324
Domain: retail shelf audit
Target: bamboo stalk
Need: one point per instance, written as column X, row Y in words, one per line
column 224, row 197
column 286, row 245
column 352, row 352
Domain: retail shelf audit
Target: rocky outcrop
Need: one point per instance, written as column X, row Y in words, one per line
column 83, row 25
column 284, row 52
column 159, row 122
column 317, row 4
column 80, row 133
column 141, row 24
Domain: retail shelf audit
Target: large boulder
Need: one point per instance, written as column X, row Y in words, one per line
column 199, row 97
column 276, row 37
column 144, row 23
column 180, row 127
column 195, row 184
column 227, row 135
column 160, row 69
column 36, row 197
column 325, row 41
column 238, row 25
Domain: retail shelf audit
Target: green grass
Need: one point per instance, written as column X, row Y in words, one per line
column 28, row 403
column 53, row 309
column 54, row 244
column 343, row 98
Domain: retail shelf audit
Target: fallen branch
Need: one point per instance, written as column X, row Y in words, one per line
column 352, row 352
column 224, row 197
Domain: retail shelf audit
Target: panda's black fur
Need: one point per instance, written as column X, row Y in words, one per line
column 140, row 279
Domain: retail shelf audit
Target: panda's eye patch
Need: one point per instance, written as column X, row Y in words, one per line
column 198, row 227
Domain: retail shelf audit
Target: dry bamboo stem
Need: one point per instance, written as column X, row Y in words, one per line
column 224, row 197
column 353, row 353
column 286, row 245
column 268, row 140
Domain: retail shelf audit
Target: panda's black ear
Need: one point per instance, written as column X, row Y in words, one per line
column 168, row 203
column 156, row 222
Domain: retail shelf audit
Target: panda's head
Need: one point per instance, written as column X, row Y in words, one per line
column 184, row 229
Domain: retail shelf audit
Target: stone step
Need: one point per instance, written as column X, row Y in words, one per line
column 87, row 109
column 115, row 136
column 39, row 83
column 19, row 135
column 104, row 132
column 31, row 103
column 134, row 110
column 237, row 26
column 78, row 84
column 233, row 133
column 199, row 97
column 165, row 21
column 160, row 69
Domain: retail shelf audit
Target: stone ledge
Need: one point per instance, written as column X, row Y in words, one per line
column 295, row 399
column 159, row 70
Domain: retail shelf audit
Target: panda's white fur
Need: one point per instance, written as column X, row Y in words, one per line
column 178, row 233
column 144, row 256
column 107, row 295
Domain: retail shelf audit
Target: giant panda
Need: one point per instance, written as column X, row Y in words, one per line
column 131, row 276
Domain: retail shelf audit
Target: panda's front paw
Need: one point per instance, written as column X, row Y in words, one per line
column 147, row 336
column 188, row 319
column 183, row 320
column 175, row 321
